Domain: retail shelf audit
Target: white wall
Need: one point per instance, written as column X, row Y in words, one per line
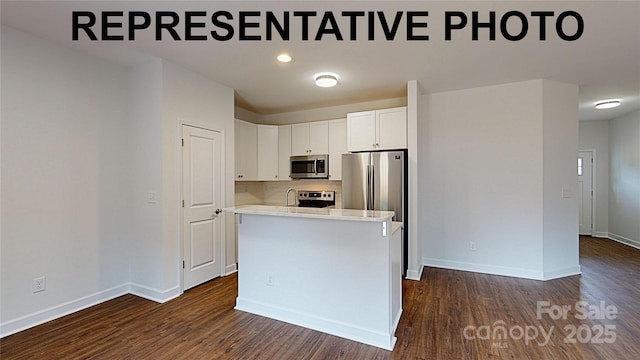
column 416, row 175
column 320, row 113
column 164, row 96
column 83, row 143
column 617, row 176
column 624, row 179
column 484, row 153
column 65, row 179
column 560, row 180
column 192, row 99
column 145, row 144
column 594, row 135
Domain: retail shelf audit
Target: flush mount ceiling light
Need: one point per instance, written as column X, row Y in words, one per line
column 326, row 79
column 284, row 58
column 607, row 104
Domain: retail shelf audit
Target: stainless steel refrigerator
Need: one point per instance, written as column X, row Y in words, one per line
column 377, row 181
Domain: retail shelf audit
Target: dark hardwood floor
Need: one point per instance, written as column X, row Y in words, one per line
column 442, row 314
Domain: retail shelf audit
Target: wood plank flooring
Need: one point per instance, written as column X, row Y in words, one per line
column 202, row 324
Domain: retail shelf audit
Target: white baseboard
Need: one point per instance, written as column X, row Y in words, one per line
column 503, row 270
column 485, row 269
column 560, row 273
column 618, row 238
column 152, row 294
column 58, row 311
column 415, row 274
column 624, row 240
column 348, row 331
column 230, row 269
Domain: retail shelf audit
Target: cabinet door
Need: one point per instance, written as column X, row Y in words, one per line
column 247, row 151
column 267, row 152
column 337, row 147
column 299, row 139
column 361, row 131
column 319, row 138
column 284, row 152
column 391, row 127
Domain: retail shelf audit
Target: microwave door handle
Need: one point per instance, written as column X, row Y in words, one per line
column 315, row 166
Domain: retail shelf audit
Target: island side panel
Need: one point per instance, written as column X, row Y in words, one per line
column 395, row 249
column 328, row 275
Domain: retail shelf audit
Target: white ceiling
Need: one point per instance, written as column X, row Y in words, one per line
column 604, row 62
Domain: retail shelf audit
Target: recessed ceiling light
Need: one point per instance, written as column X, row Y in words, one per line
column 326, row 79
column 607, row 104
column 284, row 58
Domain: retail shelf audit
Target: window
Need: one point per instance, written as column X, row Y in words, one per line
column 580, row 168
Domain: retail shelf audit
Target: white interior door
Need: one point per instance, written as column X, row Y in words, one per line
column 585, row 192
column 202, row 196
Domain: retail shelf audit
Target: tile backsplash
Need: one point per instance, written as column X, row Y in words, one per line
column 249, row 192
column 273, row 192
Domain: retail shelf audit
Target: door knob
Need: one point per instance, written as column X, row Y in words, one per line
column 218, row 211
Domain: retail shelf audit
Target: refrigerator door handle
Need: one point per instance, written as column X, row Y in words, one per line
column 371, row 175
column 368, row 190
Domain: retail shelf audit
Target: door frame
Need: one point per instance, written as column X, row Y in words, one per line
column 223, row 200
column 593, row 189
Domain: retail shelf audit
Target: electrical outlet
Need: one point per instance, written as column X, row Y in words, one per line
column 472, row 245
column 152, row 197
column 39, row 284
column 269, row 278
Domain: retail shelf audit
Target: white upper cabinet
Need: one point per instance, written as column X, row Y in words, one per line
column 391, row 126
column 246, row 150
column 361, row 131
column 310, row 138
column 263, row 151
column 384, row 129
column 319, row 137
column 337, row 147
column 300, row 139
column 267, row 152
column 284, row 152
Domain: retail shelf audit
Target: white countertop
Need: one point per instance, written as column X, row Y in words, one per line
column 395, row 226
column 322, row 213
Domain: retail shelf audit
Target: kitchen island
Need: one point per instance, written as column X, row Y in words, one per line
column 333, row 270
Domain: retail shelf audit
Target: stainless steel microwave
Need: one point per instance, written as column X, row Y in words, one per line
column 310, row 167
